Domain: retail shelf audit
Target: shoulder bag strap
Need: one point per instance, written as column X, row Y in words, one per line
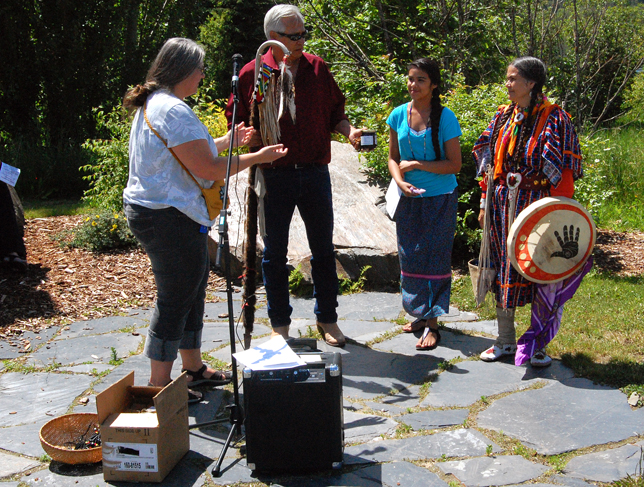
column 145, row 115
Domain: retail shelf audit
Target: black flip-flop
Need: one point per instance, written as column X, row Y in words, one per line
column 219, row 378
column 427, row 332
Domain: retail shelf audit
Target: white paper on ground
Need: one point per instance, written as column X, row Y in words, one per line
column 392, row 198
column 271, row 355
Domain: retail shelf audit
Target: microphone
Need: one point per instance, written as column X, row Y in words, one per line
column 237, row 61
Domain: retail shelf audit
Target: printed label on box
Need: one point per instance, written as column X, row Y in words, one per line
column 127, row 457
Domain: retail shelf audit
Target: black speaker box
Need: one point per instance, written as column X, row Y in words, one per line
column 294, row 417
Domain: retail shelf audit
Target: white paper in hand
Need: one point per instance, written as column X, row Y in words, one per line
column 392, row 198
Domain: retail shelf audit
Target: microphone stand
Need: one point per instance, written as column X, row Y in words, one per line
column 236, row 411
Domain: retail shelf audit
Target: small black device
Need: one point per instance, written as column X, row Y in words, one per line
column 368, row 140
column 294, row 418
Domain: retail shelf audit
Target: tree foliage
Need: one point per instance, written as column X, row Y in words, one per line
column 233, row 27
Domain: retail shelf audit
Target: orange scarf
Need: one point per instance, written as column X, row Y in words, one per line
column 509, row 135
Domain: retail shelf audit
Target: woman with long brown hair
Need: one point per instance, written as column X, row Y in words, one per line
column 532, row 151
column 424, row 157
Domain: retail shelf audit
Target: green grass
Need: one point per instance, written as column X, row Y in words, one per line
column 601, row 335
column 47, row 208
column 621, row 165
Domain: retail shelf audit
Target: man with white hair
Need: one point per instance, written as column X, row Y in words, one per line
column 301, row 178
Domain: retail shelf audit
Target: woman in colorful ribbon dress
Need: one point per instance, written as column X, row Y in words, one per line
column 531, row 151
column 424, row 157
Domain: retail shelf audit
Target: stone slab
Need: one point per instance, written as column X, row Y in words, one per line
column 11, row 465
column 10, row 348
column 27, row 398
column 609, row 465
column 23, row 439
column 145, row 314
column 489, row 327
column 466, row 382
column 494, row 470
column 455, row 314
column 567, row 481
column 219, row 311
column 140, row 364
column 452, row 345
column 428, row 420
column 364, row 331
column 388, row 474
column 190, row 471
column 217, row 333
column 571, row 414
column 370, row 306
column 84, row 349
column 368, row 373
column 456, row 443
column 207, row 409
column 302, row 309
column 387, row 408
column 406, row 398
column 360, row 427
column 100, row 326
column 87, row 368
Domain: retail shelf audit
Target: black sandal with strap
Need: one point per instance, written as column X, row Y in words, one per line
column 193, row 396
column 218, row 378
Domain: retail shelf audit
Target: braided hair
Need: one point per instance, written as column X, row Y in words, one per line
column 432, row 70
column 532, row 69
column 177, row 60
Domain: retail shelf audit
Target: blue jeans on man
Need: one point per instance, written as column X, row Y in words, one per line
column 309, row 189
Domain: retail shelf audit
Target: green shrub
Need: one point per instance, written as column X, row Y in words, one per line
column 109, row 165
column 108, row 168
column 99, row 233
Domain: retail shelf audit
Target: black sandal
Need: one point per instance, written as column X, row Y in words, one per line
column 219, row 378
column 193, row 396
column 427, row 331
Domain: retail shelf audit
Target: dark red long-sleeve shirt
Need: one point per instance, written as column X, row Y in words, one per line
column 319, row 107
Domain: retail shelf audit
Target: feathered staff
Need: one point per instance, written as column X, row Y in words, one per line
column 273, row 94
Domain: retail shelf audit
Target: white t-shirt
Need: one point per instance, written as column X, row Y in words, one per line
column 156, row 179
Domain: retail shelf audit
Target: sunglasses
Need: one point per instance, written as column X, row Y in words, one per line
column 294, row 37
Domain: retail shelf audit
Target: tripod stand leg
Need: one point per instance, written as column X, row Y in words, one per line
column 216, row 470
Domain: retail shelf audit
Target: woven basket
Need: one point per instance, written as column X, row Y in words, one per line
column 63, row 430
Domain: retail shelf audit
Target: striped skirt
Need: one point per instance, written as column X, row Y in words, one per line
column 511, row 289
column 425, row 229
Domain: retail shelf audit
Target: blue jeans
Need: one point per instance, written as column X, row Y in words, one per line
column 308, row 189
column 178, row 252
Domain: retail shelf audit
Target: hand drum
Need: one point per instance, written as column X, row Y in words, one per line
column 551, row 239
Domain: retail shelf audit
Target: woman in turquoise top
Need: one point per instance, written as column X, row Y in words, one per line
column 424, row 157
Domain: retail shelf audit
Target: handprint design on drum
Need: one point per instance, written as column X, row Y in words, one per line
column 569, row 246
column 551, row 239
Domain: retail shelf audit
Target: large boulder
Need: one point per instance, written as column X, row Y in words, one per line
column 363, row 234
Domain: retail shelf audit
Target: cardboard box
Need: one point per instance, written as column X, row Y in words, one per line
column 144, row 430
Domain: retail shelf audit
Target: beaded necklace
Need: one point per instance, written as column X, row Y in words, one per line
column 424, row 136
